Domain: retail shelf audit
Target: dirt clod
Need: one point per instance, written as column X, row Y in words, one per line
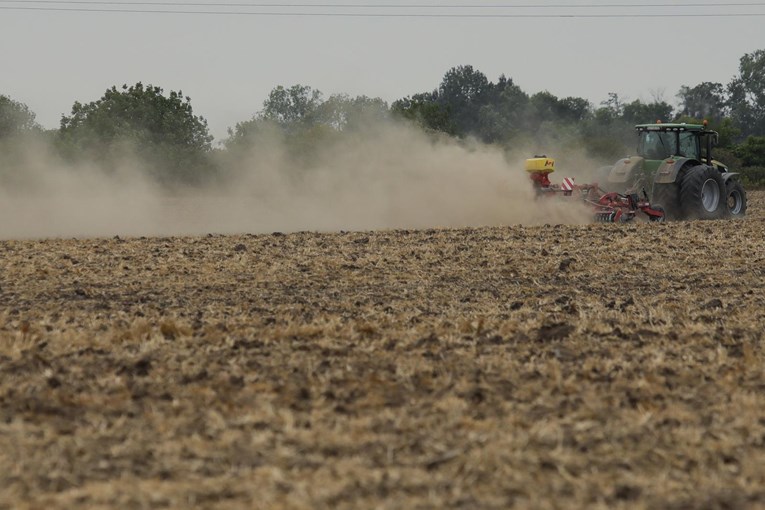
column 712, row 304
column 551, row 332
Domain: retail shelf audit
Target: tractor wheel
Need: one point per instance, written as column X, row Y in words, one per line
column 702, row 194
column 667, row 196
column 736, row 199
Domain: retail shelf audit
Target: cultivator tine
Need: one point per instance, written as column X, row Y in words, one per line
column 605, row 217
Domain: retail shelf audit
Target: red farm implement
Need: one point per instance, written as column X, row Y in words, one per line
column 608, row 207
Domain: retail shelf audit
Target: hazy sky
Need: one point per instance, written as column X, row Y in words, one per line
column 229, row 63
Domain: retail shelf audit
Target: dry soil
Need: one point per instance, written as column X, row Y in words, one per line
column 547, row 367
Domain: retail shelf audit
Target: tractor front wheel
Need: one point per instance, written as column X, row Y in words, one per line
column 736, row 201
column 703, row 194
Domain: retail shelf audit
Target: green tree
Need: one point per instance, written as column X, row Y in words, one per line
column 468, row 104
column 300, row 108
column 249, row 132
column 299, row 119
column 704, row 101
column 503, row 114
column 610, row 109
column 605, row 134
column 140, row 121
column 292, row 106
column 288, row 114
column 752, row 151
column 463, row 91
column 546, row 107
column 343, row 112
column 638, row 112
column 747, row 94
column 15, row 118
column 574, row 109
column 427, row 111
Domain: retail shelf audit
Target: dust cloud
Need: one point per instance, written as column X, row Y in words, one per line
column 384, row 176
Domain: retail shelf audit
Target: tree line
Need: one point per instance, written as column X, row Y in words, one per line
column 174, row 144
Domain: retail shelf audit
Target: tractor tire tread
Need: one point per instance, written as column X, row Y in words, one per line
column 668, row 197
column 735, row 186
column 691, row 186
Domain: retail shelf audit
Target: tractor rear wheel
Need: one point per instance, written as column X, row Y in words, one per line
column 703, row 194
column 667, row 196
column 736, row 199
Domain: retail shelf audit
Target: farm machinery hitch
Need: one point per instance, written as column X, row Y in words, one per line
column 608, row 207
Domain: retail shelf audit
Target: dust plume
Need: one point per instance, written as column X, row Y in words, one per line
column 383, row 175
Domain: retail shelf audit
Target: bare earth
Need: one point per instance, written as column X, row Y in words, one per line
column 548, row 367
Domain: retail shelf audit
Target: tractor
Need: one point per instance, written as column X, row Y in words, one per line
column 674, row 163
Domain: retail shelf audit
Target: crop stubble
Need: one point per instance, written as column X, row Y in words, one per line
column 553, row 366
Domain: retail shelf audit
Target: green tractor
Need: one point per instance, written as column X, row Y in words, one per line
column 675, row 164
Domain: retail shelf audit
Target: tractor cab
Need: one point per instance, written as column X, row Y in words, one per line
column 658, row 142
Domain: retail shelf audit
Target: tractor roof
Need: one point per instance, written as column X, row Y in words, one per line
column 670, row 127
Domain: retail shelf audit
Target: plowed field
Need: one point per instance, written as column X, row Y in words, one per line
column 546, row 367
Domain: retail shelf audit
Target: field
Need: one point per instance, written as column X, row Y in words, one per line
column 548, row 367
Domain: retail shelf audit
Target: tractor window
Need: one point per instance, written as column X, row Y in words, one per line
column 689, row 145
column 657, row 144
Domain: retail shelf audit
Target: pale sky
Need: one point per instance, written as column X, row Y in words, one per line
column 228, row 64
